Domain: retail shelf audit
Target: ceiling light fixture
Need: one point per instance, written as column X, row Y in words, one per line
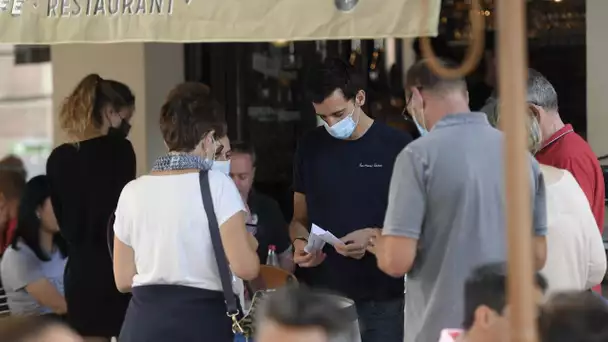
column 346, row 5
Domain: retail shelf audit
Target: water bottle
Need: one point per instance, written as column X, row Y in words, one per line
column 272, row 259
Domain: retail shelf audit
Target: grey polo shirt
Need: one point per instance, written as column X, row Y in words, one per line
column 447, row 191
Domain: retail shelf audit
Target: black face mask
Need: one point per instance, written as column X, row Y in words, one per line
column 122, row 131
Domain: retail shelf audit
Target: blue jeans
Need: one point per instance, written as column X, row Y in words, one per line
column 381, row 321
column 240, row 338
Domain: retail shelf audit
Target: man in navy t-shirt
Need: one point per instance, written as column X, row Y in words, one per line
column 342, row 173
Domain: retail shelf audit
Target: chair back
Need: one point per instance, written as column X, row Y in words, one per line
column 272, row 278
column 4, row 311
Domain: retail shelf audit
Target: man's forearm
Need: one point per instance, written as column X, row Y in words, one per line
column 297, row 230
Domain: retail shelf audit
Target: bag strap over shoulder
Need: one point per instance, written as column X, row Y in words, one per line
column 222, row 263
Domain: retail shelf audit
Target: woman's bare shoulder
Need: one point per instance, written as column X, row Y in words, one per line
column 552, row 174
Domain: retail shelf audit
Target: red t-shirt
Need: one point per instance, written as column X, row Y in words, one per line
column 567, row 150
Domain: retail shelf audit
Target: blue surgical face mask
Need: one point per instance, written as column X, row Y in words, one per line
column 222, row 166
column 342, row 129
column 421, row 129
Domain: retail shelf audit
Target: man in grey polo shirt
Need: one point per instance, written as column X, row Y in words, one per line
column 446, row 204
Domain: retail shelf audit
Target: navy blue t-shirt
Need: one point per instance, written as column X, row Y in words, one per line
column 346, row 186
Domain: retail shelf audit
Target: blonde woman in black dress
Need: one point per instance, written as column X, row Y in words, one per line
column 86, row 177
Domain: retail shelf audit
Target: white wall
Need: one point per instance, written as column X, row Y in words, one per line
column 26, row 110
column 597, row 76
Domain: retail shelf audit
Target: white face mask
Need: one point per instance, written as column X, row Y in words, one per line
column 222, row 166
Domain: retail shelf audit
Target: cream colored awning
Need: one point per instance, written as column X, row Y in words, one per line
column 103, row 21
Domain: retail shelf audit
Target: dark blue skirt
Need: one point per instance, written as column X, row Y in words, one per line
column 161, row 313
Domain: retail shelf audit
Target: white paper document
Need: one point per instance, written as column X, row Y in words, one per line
column 315, row 243
column 319, row 237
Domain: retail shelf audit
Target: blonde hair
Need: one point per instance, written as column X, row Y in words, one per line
column 76, row 113
column 80, row 112
column 491, row 109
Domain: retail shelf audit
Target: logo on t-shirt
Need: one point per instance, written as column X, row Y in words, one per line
column 374, row 165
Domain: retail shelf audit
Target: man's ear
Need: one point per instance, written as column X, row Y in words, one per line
column 360, row 98
column 416, row 96
column 253, row 172
column 534, row 110
column 483, row 316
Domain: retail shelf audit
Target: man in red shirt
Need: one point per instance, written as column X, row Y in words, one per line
column 563, row 148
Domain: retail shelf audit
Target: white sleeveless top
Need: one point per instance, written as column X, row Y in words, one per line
column 576, row 259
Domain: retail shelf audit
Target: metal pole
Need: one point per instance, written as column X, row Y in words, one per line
column 512, row 62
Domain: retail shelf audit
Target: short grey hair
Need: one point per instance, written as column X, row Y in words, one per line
column 491, row 109
column 541, row 91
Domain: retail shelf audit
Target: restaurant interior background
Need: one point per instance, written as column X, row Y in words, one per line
column 260, row 84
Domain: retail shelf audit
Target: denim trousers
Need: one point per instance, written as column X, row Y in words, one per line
column 381, row 321
column 240, row 338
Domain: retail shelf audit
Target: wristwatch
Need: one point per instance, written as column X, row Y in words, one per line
column 293, row 248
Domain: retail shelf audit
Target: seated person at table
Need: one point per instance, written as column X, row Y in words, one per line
column 574, row 317
column 486, row 315
column 32, row 267
column 265, row 220
column 36, row 329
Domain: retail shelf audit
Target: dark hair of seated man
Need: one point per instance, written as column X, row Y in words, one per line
column 486, row 313
column 35, row 329
column 574, row 317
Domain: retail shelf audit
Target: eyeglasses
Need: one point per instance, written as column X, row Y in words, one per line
column 406, row 116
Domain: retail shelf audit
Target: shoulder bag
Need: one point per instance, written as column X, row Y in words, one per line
column 241, row 326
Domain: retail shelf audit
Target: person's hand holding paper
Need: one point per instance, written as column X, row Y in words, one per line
column 355, row 243
column 308, row 253
column 325, row 235
column 315, row 243
column 311, row 254
column 305, row 259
